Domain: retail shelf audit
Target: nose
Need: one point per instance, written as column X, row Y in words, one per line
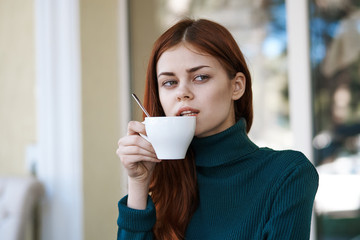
column 184, row 93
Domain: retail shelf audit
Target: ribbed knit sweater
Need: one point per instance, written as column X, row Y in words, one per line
column 245, row 192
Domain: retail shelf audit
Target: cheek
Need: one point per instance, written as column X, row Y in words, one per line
column 220, row 102
column 165, row 104
column 220, row 96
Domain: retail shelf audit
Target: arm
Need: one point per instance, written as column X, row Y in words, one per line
column 135, row 224
column 136, row 211
column 291, row 211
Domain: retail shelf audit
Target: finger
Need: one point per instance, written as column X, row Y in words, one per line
column 135, row 150
column 135, row 140
column 135, row 127
column 129, row 161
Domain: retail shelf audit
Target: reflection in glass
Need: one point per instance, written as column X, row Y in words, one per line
column 259, row 29
column 335, row 58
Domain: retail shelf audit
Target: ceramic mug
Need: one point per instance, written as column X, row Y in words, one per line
column 170, row 136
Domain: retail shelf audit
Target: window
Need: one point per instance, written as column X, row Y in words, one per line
column 335, row 66
column 259, row 27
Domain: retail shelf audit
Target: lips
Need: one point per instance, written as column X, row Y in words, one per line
column 187, row 111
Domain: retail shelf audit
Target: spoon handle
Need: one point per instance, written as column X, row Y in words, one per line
column 139, row 103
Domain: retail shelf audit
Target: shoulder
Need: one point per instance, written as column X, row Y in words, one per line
column 285, row 158
column 289, row 163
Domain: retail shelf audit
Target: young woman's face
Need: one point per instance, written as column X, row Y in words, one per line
column 191, row 83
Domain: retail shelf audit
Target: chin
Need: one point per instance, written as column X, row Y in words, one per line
column 200, row 134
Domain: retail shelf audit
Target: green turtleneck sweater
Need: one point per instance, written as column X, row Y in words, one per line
column 245, row 192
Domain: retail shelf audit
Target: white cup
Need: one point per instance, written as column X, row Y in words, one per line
column 170, row 136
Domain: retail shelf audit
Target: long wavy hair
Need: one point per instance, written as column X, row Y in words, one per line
column 173, row 187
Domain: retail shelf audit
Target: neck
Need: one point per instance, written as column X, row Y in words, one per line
column 224, row 147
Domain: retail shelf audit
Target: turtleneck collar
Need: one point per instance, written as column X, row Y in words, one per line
column 224, row 147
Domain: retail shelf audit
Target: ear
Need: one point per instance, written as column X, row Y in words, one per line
column 239, row 83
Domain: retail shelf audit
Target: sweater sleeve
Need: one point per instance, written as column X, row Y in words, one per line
column 136, row 224
column 291, row 210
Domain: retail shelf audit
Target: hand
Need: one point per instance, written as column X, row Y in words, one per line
column 137, row 154
column 139, row 159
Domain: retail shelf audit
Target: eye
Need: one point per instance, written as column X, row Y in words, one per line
column 201, row 77
column 169, row 83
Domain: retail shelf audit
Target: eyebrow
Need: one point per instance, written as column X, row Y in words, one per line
column 190, row 70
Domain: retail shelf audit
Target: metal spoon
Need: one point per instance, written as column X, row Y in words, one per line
column 139, row 103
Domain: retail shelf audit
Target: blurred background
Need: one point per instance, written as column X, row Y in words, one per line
column 67, row 69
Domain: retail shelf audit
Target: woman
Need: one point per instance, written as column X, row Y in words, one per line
column 227, row 187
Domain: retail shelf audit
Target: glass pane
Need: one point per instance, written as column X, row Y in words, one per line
column 259, row 29
column 335, row 58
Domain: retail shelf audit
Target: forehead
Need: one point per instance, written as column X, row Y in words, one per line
column 184, row 56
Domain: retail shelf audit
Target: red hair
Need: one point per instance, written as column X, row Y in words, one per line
column 173, row 187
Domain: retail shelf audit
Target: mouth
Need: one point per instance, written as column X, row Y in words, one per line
column 187, row 112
